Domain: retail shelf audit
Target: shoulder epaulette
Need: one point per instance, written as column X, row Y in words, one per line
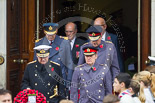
column 108, row 41
column 38, row 40
column 80, row 65
column 64, row 37
column 32, row 62
column 55, row 63
column 85, row 43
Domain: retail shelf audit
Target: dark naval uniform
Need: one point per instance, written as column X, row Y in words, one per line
column 59, row 53
column 44, row 78
column 106, row 55
column 93, row 84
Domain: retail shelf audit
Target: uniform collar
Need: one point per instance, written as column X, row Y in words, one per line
column 88, row 67
column 73, row 40
column 103, row 37
column 57, row 40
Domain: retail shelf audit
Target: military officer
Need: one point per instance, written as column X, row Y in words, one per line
column 44, row 75
column 107, row 54
column 106, row 36
column 92, row 78
column 60, row 51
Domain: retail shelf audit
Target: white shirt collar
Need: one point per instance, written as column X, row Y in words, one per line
column 72, row 42
column 103, row 37
column 50, row 41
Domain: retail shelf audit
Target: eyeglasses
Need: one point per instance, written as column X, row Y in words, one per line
column 69, row 31
column 101, row 25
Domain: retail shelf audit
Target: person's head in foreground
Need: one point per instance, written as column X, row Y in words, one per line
column 111, row 99
column 5, row 96
column 121, row 82
column 66, row 101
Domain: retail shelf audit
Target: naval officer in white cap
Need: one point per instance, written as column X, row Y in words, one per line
column 44, row 75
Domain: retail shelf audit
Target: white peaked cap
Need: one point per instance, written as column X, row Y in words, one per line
column 45, row 47
column 151, row 58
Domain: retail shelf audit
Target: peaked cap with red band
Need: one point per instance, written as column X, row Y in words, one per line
column 94, row 32
column 89, row 50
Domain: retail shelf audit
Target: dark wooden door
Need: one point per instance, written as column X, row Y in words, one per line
column 145, row 32
column 20, row 40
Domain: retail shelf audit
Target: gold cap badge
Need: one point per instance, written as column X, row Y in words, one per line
column 42, row 51
column 50, row 28
column 88, row 50
column 93, row 34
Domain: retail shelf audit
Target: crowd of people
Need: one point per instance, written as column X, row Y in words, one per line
column 72, row 70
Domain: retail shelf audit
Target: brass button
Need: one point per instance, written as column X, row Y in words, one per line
column 35, row 74
column 99, row 96
column 104, row 68
column 48, row 84
column 102, row 72
column 101, row 78
column 49, row 65
column 80, row 68
column 36, row 66
column 35, row 84
column 108, row 54
column 107, row 59
column 82, row 74
column 99, row 91
column 82, row 79
column 100, row 84
column 105, row 64
column 85, row 85
column 109, row 48
column 87, row 91
column 49, row 74
column 48, row 93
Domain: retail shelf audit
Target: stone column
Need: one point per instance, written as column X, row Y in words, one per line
column 3, row 41
column 152, row 28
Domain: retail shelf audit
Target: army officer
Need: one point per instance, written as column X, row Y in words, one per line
column 93, row 79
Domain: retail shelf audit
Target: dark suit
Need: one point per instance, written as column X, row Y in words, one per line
column 76, row 49
column 59, row 53
column 113, row 38
column 44, row 79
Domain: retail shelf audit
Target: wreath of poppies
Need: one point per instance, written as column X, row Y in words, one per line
column 22, row 96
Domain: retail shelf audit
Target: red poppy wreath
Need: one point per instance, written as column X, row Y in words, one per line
column 22, row 96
